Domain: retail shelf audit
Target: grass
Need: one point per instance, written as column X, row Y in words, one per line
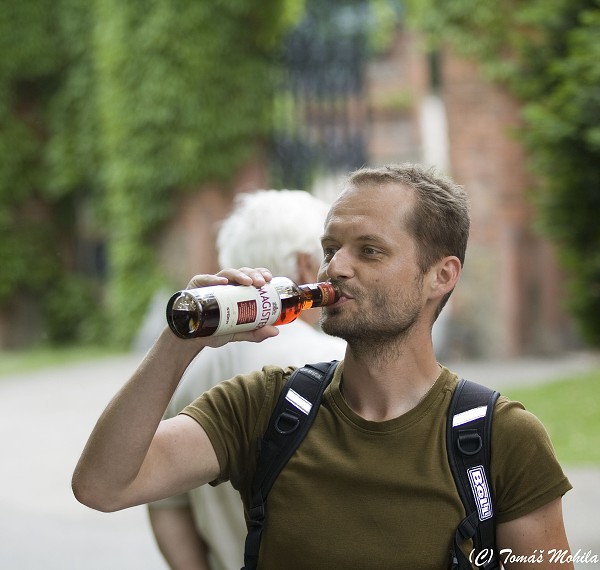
column 18, row 361
column 570, row 410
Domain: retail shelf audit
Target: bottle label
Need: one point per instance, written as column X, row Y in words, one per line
column 328, row 294
column 247, row 308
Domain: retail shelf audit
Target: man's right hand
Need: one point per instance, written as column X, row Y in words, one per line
column 257, row 277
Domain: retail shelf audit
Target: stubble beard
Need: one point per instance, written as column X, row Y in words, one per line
column 376, row 331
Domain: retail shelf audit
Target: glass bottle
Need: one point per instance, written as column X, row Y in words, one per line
column 226, row 309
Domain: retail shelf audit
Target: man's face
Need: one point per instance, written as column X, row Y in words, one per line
column 373, row 259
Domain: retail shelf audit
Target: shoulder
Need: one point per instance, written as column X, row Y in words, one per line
column 258, row 385
column 514, row 427
column 234, row 413
column 526, row 473
column 244, row 399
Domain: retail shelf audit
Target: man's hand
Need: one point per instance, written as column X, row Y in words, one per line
column 244, row 276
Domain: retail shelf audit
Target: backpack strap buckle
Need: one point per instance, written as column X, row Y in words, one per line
column 469, row 442
column 287, row 423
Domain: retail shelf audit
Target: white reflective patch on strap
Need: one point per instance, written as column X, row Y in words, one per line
column 298, row 401
column 469, row 416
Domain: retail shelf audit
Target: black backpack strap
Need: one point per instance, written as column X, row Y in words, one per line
column 290, row 421
column 468, row 444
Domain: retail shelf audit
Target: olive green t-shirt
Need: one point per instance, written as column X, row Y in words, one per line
column 365, row 495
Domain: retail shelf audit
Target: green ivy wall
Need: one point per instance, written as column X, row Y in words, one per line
column 113, row 107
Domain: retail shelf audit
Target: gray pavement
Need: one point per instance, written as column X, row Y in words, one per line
column 46, row 416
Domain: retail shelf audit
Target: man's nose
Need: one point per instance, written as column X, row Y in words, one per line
column 340, row 265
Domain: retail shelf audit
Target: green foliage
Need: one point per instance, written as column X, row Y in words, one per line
column 385, row 16
column 564, row 135
column 184, row 92
column 569, row 410
column 547, row 52
column 28, row 60
column 109, row 110
column 47, row 147
column 72, row 310
column 115, row 107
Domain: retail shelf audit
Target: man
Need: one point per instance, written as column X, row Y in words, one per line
column 370, row 486
column 205, row 529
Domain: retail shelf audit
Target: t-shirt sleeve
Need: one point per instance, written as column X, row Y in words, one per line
column 234, row 415
column 209, row 368
column 525, row 471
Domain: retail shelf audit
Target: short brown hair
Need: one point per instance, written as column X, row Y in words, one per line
column 439, row 222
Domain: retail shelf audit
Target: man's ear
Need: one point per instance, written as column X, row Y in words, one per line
column 445, row 274
column 306, row 268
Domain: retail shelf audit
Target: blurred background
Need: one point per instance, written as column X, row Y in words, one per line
column 127, row 128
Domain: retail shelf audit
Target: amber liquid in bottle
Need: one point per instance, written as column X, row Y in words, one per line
column 189, row 316
column 226, row 309
column 309, row 296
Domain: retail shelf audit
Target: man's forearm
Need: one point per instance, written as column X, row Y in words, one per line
column 120, row 441
column 177, row 538
column 128, row 459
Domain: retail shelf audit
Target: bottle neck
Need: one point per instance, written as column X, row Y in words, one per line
column 319, row 294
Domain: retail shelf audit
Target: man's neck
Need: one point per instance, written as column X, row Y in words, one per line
column 384, row 384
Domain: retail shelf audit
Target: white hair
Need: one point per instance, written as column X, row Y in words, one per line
column 268, row 228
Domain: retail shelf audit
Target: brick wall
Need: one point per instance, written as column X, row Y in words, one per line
column 188, row 243
column 509, row 302
column 510, row 298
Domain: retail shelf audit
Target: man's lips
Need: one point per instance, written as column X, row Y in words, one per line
column 343, row 298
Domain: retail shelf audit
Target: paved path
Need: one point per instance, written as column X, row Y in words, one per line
column 45, row 418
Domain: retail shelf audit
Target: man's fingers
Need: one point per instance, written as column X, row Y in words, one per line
column 205, row 280
column 244, row 276
column 247, row 275
column 257, row 335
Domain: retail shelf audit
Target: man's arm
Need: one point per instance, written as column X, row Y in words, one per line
column 538, row 534
column 132, row 457
column 177, row 538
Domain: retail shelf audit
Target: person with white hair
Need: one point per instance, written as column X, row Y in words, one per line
column 280, row 229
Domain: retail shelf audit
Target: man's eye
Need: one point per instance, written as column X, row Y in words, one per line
column 328, row 252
